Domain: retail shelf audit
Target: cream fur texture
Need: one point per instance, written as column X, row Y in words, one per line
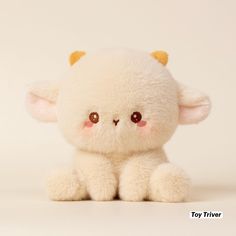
column 119, row 152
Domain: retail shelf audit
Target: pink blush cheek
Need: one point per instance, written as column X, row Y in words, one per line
column 88, row 124
column 141, row 123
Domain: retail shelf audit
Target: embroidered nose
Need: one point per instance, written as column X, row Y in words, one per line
column 116, row 122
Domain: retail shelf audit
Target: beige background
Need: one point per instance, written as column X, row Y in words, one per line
column 36, row 38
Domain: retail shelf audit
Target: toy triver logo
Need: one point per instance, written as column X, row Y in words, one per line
column 206, row 214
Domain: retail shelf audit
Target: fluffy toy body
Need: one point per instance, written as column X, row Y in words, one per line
column 118, row 108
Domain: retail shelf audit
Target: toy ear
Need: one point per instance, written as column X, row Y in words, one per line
column 75, row 56
column 194, row 106
column 160, row 56
column 41, row 100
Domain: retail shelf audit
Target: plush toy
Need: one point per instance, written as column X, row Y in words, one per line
column 118, row 107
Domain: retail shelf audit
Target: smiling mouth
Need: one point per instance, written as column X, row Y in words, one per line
column 116, row 122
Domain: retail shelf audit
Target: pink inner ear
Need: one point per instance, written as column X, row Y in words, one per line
column 41, row 108
column 195, row 114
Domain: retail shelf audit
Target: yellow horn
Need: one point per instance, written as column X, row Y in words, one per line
column 75, row 56
column 161, row 56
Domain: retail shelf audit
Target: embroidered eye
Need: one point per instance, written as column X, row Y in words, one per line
column 136, row 117
column 94, row 117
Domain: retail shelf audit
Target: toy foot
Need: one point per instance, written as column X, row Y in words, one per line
column 103, row 189
column 64, row 185
column 169, row 183
column 132, row 186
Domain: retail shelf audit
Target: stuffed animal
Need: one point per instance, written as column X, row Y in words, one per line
column 118, row 107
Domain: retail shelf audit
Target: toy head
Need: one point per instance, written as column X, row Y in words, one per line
column 117, row 101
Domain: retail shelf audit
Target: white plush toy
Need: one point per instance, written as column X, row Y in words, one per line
column 118, row 107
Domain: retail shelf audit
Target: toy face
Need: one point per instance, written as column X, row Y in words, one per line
column 118, row 102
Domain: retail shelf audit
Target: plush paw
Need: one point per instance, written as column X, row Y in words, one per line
column 133, row 193
column 132, row 187
column 103, row 189
column 64, row 185
column 169, row 183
